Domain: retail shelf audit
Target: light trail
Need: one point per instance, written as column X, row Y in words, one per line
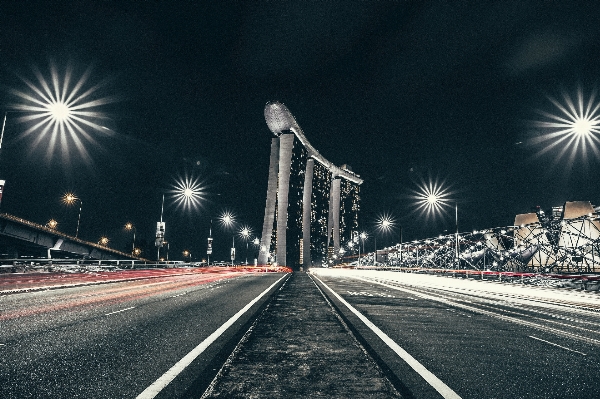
column 495, row 314
column 132, row 290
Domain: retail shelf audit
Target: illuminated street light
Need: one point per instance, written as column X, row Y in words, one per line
column 103, row 241
column 52, row 224
column 227, row 220
column 432, row 198
column 70, row 199
column 61, row 110
column 245, row 233
column 574, row 127
column 457, row 252
column 363, row 236
column 187, row 254
column 188, row 193
column 130, row 227
column 137, row 252
column 384, row 224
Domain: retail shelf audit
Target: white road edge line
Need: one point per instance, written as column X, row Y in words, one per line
column 560, row 346
column 174, row 371
column 119, row 311
column 427, row 375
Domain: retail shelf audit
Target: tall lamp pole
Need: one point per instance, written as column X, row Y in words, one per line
column 129, row 226
column 70, row 199
column 456, row 234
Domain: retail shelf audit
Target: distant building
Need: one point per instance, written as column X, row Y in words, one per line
column 312, row 205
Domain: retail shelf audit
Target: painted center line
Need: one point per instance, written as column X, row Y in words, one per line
column 560, row 346
column 119, row 311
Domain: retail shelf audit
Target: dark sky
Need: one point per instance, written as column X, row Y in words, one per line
column 402, row 91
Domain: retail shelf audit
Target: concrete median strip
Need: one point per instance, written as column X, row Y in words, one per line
column 427, row 375
column 174, row 371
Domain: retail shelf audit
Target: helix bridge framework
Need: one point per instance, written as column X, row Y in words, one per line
column 566, row 244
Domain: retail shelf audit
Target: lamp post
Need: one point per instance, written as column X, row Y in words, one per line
column 130, row 227
column 400, row 248
column 52, row 224
column 384, row 224
column 70, row 199
column 362, row 236
column 457, row 254
column 245, row 233
column 227, row 221
column 435, row 201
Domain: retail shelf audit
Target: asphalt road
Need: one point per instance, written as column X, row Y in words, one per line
column 477, row 343
column 116, row 340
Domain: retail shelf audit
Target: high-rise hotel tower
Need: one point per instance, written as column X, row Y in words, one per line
column 312, row 205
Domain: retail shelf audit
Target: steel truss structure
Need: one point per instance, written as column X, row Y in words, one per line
column 567, row 245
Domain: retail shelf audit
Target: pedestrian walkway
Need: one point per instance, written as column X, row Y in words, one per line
column 298, row 348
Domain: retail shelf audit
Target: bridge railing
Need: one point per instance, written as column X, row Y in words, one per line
column 565, row 246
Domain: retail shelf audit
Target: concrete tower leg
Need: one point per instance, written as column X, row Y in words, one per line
column 286, row 145
column 269, row 219
column 306, row 210
column 335, row 199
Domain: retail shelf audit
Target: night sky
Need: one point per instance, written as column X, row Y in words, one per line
column 404, row 92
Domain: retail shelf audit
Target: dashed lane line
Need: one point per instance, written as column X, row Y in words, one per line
column 119, row 311
column 174, row 371
column 560, row 346
column 432, row 379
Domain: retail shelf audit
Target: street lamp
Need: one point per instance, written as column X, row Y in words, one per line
column 187, row 193
column 130, row 227
column 245, row 233
column 436, row 201
column 227, row 221
column 70, row 199
column 256, row 243
column 385, row 224
column 573, row 125
column 103, row 241
column 362, row 236
column 52, row 224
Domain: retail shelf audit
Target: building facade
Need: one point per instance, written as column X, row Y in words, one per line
column 312, row 206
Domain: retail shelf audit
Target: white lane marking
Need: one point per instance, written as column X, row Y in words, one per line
column 427, row 375
column 174, row 371
column 560, row 346
column 119, row 311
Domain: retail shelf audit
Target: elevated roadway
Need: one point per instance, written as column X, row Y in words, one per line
column 22, row 239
